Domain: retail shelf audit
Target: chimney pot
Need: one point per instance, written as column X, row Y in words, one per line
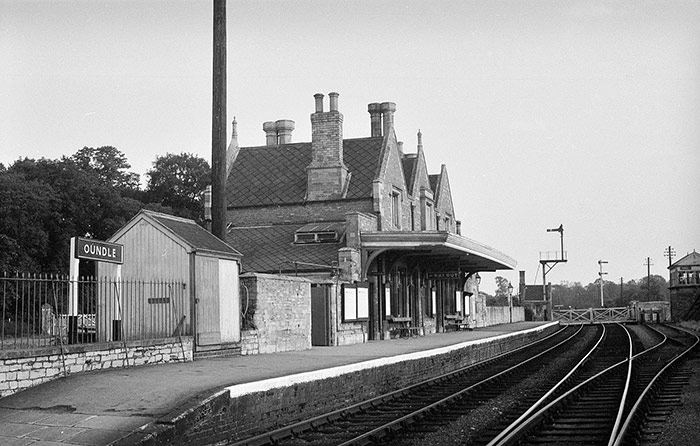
column 334, row 101
column 319, row 102
column 270, row 129
column 284, row 131
column 375, row 118
column 388, row 109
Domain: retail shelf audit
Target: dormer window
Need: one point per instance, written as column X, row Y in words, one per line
column 320, row 233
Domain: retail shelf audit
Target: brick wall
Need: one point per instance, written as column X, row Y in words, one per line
column 280, row 313
column 681, row 301
column 223, row 417
column 20, row 370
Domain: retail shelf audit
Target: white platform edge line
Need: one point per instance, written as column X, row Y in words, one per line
column 238, row 390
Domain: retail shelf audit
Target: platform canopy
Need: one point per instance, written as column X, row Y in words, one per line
column 438, row 248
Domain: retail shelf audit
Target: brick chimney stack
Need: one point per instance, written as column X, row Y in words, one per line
column 326, row 175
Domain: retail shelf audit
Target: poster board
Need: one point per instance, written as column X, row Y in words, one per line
column 387, row 301
column 355, row 302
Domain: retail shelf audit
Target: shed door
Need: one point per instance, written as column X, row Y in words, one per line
column 320, row 315
column 207, row 301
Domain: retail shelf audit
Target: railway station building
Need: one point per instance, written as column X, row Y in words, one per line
column 364, row 221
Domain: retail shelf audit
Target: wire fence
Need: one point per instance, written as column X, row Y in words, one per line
column 47, row 310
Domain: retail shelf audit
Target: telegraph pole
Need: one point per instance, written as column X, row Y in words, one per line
column 648, row 264
column 600, row 275
column 670, row 253
column 218, row 123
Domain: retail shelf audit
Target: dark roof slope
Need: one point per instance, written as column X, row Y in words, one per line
column 433, row 179
column 269, row 248
column 409, row 164
column 692, row 258
column 533, row 292
column 274, row 175
column 193, row 234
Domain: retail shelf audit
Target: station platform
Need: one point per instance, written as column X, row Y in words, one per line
column 112, row 407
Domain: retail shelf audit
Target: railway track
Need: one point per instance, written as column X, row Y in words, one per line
column 611, row 407
column 432, row 403
column 587, row 390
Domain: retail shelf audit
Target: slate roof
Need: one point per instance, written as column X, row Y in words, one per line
column 433, row 179
column 408, row 163
column 275, row 175
column 692, row 258
column 192, row 234
column 267, row 248
column 533, row 292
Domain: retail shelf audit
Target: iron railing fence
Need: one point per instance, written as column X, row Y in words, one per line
column 39, row 310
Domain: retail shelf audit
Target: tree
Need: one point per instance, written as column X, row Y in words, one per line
column 77, row 203
column 500, row 297
column 109, row 164
column 179, row 182
column 24, row 208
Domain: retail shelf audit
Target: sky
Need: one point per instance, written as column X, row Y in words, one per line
column 581, row 113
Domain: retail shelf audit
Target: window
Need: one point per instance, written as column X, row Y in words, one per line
column 320, row 233
column 428, row 216
column 396, row 209
column 413, row 217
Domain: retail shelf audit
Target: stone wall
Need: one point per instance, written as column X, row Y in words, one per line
column 278, row 317
column 501, row 315
column 21, row 369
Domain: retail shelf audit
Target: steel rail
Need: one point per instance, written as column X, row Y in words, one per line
column 516, row 433
column 314, row 422
column 377, row 432
column 646, row 394
column 547, row 395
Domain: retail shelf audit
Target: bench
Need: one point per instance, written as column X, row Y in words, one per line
column 400, row 326
column 456, row 322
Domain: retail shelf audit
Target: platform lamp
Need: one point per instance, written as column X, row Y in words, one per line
column 510, row 301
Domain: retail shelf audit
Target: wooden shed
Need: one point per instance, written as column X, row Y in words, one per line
column 174, row 267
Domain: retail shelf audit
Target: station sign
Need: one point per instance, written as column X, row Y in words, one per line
column 444, row 275
column 98, row 250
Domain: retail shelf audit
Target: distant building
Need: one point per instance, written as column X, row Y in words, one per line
column 684, row 288
column 532, row 298
column 365, row 222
